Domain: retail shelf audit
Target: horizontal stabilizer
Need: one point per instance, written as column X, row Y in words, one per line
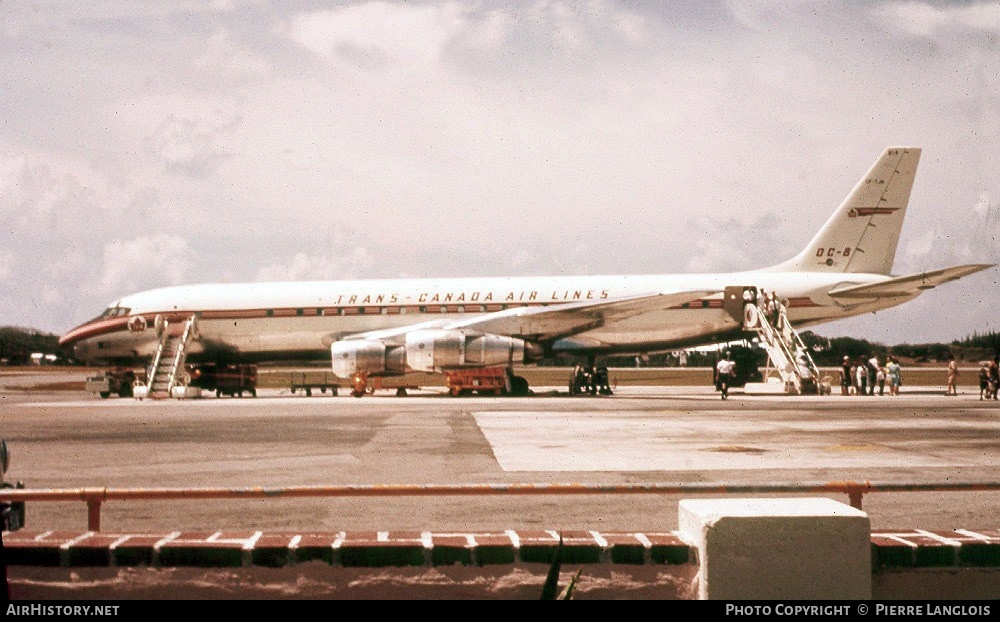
column 907, row 286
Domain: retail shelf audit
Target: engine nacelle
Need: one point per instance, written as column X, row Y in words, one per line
column 434, row 350
column 489, row 350
column 366, row 356
column 429, row 350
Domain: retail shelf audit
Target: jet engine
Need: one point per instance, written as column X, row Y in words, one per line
column 434, row 350
column 366, row 356
column 430, row 350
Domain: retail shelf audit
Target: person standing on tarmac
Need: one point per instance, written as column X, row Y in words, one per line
column 861, row 376
column 994, row 377
column 952, row 388
column 873, row 367
column 724, row 375
column 845, row 377
column 894, row 374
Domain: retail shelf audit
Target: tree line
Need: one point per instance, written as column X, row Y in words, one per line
column 17, row 345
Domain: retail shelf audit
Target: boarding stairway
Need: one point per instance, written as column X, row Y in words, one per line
column 167, row 369
column 787, row 355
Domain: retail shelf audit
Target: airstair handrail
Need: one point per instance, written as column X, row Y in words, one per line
column 179, row 356
column 800, row 345
column 776, row 343
column 163, row 336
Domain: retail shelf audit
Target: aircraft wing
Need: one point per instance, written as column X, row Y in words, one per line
column 549, row 322
column 907, row 286
column 570, row 318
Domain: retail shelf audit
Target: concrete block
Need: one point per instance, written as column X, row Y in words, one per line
column 770, row 549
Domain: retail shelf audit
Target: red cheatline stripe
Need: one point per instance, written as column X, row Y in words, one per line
column 119, row 324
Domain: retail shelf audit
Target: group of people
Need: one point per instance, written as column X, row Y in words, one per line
column 863, row 376
column 769, row 303
column 590, row 380
column 989, row 379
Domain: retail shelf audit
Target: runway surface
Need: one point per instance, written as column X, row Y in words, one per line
column 640, row 435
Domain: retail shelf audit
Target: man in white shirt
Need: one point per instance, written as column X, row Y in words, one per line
column 724, row 375
column 873, row 367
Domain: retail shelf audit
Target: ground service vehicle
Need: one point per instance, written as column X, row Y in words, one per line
column 231, row 380
column 119, row 381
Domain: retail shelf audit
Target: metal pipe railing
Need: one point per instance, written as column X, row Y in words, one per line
column 94, row 497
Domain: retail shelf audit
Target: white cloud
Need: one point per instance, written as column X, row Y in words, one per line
column 374, row 35
column 52, row 194
column 6, row 265
column 925, row 19
column 128, row 265
column 225, row 56
column 192, row 145
column 303, row 267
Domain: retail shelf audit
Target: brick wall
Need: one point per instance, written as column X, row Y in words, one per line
column 511, row 564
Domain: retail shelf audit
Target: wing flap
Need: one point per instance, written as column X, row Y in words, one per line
column 907, row 286
column 561, row 320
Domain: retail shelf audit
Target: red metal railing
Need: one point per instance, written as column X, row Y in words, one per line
column 94, row 497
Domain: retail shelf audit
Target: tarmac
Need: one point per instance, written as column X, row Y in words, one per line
column 641, row 435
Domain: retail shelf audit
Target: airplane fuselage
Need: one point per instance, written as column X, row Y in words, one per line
column 284, row 321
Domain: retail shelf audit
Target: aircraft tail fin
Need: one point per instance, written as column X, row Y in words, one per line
column 862, row 234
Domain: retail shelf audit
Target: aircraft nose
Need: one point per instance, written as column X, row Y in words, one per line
column 74, row 344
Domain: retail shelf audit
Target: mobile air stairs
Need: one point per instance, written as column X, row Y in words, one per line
column 790, row 368
column 167, row 375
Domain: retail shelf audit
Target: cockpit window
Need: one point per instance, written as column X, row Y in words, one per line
column 114, row 311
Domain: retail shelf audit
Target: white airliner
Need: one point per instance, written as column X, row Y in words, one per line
column 390, row 327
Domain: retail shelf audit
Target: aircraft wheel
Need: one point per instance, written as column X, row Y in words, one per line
column 518, row 385
column 105, row 394
column 309, row 392
column 401, row 392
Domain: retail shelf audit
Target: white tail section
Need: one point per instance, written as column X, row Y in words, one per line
column 863, row 232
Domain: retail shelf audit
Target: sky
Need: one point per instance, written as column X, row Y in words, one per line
column 145, row 144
